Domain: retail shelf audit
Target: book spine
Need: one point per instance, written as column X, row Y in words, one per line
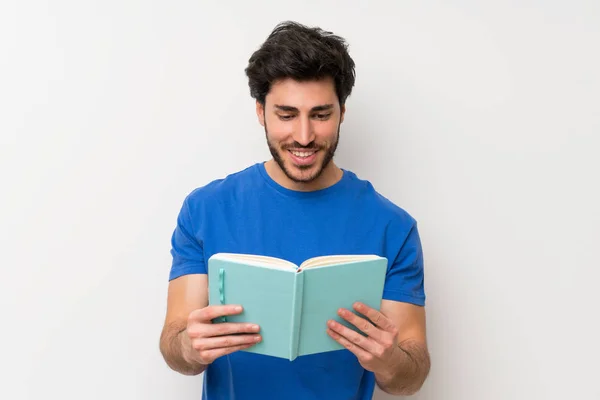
column 296, row 319
column 222, row 291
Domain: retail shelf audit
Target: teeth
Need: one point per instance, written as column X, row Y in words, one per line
column 303, row 153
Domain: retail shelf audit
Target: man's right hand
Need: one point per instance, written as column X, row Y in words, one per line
column 208, row 341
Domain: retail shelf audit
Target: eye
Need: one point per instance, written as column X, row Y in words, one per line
column 285, row 117
column 322, row 116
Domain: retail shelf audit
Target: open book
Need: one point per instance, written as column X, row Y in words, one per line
column 291, row 303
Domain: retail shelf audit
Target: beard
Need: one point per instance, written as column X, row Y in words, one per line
column 277, row 153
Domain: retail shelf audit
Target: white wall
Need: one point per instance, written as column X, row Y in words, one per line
column 482, row 119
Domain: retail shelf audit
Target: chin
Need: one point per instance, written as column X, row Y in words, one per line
column 303, row 174
column 301, row 170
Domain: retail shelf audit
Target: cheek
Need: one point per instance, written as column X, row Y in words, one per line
column 327, row 132
column 279, row 130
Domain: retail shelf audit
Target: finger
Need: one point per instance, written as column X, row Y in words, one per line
column 377, row 317
column 201, row 329
column 221, row 342
column 356, row 338
column 359, row 352
column 211, row 312
column 229, row 328
column 208, row 356
column 361, row 323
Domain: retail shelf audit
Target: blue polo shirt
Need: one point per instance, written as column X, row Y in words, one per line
column 248, row 212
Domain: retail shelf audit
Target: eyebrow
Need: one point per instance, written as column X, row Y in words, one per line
column 323, row 107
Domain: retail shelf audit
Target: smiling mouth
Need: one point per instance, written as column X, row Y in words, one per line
column 303, row 154
column 303, row 158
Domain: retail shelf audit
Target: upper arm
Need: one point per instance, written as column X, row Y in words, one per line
column 187, row 248
column 404, row 291
column 188, row 281
column 185, row 294
column 405, row 278
column 408, row 318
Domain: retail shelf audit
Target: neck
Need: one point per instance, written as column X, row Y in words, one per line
column 330, row 176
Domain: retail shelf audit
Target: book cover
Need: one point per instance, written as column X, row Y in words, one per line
column 291, row 303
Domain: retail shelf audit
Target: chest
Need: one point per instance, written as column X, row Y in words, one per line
column 294, row 231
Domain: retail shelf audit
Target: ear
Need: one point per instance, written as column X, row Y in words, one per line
column 260, row 113
column 342, row 113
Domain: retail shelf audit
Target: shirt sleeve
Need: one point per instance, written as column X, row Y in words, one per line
column 405, row 276
column 186, row 246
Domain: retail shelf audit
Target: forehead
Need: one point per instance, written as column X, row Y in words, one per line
column 302, row 95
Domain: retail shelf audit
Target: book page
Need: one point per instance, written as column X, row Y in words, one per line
column 257, row 260
column 323, row 261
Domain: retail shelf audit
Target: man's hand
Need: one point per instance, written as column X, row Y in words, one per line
column 395, row 348
column 208, row 341
column 376, row 352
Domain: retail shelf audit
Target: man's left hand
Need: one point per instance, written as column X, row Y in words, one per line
column 375, row 352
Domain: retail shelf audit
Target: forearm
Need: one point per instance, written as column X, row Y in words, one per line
column 176, row 350
column 408, row 370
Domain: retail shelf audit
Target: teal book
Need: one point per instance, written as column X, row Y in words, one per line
column 292, row 303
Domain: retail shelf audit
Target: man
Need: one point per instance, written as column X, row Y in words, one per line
column 295, row 206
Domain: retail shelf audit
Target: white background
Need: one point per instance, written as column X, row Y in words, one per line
column 482, row 119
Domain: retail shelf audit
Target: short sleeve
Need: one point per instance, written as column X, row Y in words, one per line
column 186, row 247
column 405, row 277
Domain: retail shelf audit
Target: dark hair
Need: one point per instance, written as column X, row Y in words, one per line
column 296, row 51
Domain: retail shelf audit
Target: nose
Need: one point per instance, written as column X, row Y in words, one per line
column 304, row 134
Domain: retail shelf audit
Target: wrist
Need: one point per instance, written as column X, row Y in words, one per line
column 389, row 374
column 187, row 351
column 386, row 376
